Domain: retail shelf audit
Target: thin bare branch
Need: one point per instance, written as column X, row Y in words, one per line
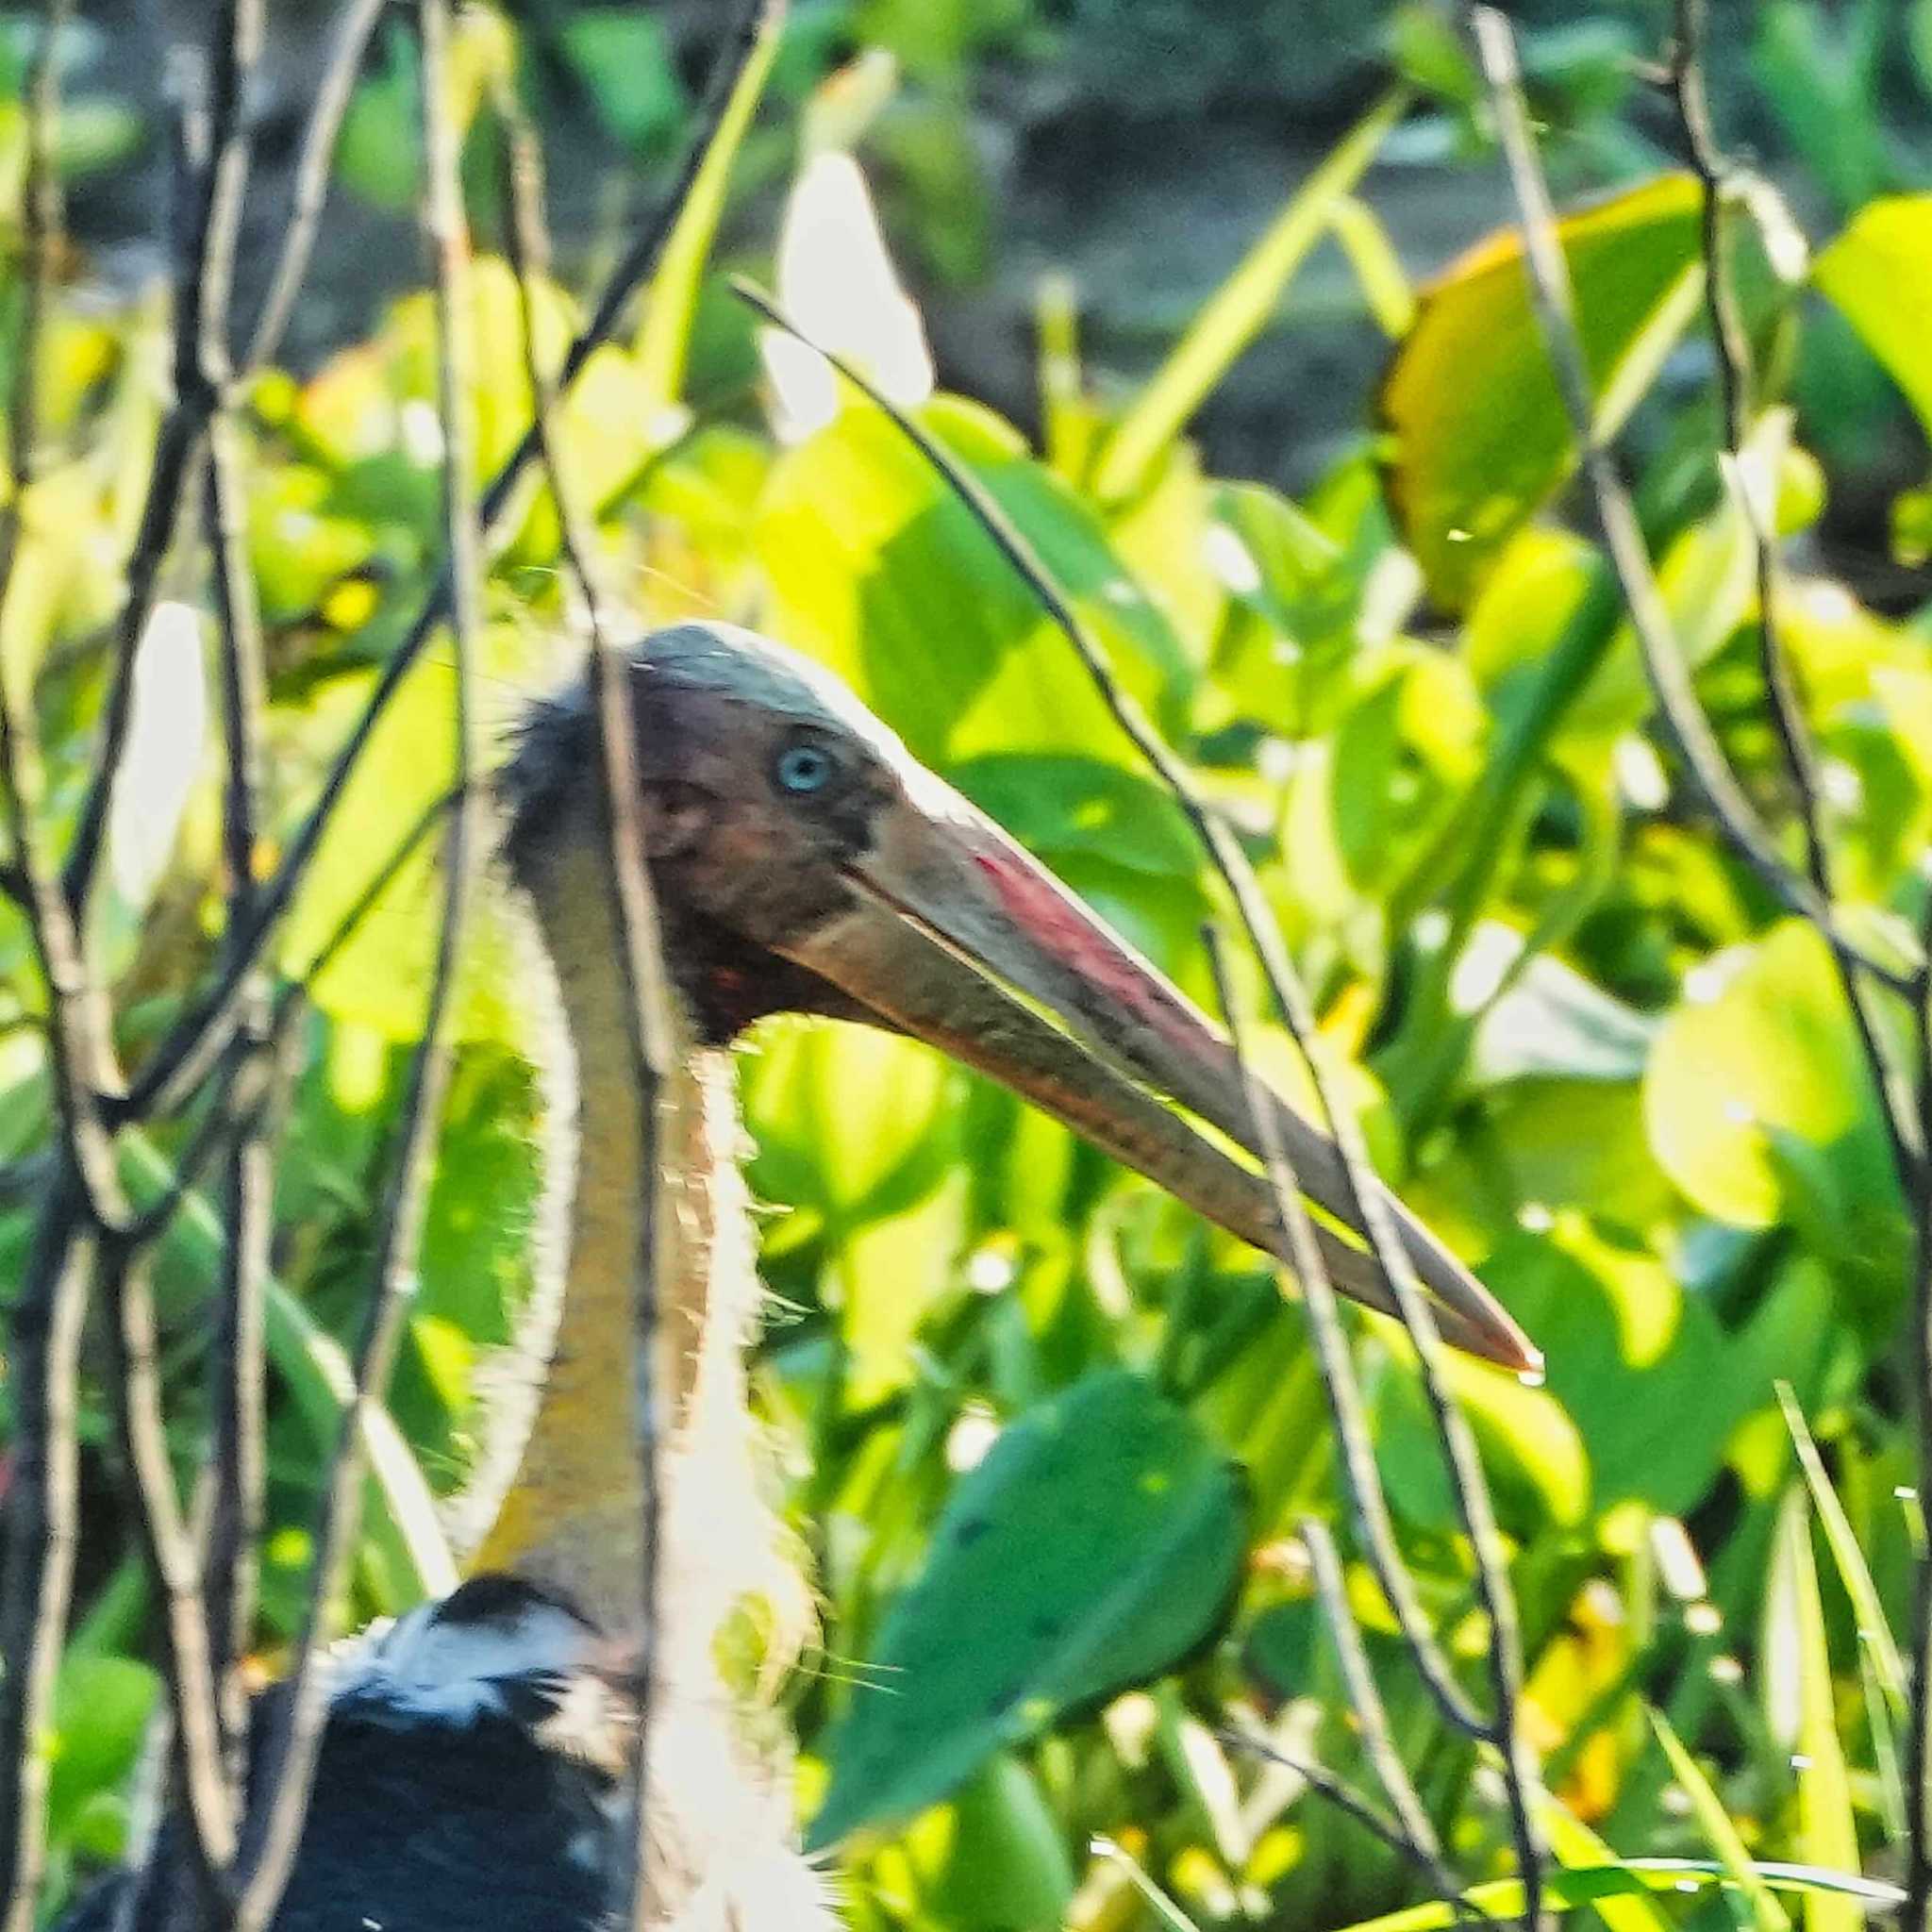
column 274, row 1829
column 80, row 1044
column 1347, row 1800
column 195, row 1734
column 314, row 171
column 1365, row 1698
column 1731, row 343
column 43, row 1503
column 237, row 1455
column 1371, row 1204
column 1917, row 1778
column 43, row 1521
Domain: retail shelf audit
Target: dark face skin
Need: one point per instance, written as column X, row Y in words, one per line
column 803, row 862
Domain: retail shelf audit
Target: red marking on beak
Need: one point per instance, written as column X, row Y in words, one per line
column 1040, row 909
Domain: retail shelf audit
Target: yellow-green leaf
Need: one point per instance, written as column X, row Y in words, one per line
column 1879, row 273
column 1479, row 437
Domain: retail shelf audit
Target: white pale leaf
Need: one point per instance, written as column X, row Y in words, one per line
column 167, row 732
column 837, row 282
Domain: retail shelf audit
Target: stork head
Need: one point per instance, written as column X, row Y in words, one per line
column 803, row 861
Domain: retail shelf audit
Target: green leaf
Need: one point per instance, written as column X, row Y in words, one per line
column 625, row 62
column 1554, row 1023
column 1096, row 1545
column 1797, row 1676
column 1631, row 1878
column 102, row 1705
column 1714, row 1820
column 1238, row 309
column 1764, row 1048
column 1874, row 1627
column 1575, row 1845
column 877, row 570
column 1880, row 274
column 1637, row 1364
column 994, row 1858
column 1479, row 437
column 665, row 333
column 380, row 977
column 1535, row 1457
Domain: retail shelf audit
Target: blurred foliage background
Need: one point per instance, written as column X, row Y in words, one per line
column 1185, row 286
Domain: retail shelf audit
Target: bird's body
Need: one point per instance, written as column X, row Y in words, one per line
column 800, row 861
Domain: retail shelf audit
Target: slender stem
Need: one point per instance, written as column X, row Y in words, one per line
column 1334, row 1790
column 196, row 1727
column 78, row 1040
column 273, row 1830
column 1365, row 1698
column 1917, row 1764
column 237, row 1456
column 42, row 1523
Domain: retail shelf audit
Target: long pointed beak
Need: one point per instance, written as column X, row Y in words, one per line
column 950, row 922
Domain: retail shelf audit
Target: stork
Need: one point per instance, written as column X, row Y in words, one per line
column 802, row 863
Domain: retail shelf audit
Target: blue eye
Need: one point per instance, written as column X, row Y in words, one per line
column 803, row 768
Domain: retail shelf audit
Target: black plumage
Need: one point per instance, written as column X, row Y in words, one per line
column 473, row 1773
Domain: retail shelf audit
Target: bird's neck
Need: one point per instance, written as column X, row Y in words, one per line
column 573, row 1515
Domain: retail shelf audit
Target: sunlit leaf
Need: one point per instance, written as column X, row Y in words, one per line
column 1637, row 1364
column 1535, row 1457
column 1763, row 1048
column 994, row 1858
column 101, row 1706
column 1633, row 1877
column 1575, row 1845
column 167, row 732
column 837, row 282
column 1803, row 1712
column 1874, row 1627
column 1096, row 1545
column 877, row 570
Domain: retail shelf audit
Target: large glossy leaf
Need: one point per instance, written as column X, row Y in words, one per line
column 1879, row 273
column 1479, row 438
column 1096, row 1545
